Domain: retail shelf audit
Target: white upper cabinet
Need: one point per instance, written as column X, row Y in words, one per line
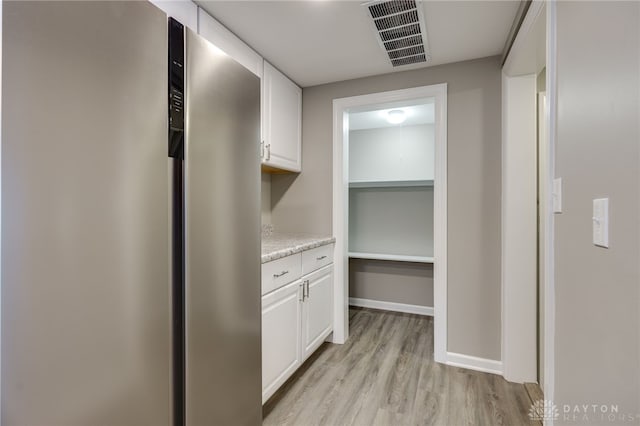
column 226, row 41
column 281, row 97
column 281, row 121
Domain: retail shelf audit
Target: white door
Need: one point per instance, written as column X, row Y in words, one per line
column 281, row 317
column 317, row 310
column 282, row 116
column 542, row 226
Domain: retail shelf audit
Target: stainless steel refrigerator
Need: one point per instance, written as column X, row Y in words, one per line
column 130, row 221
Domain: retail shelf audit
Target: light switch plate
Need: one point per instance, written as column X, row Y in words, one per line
column 601, row 222
column 557, row 195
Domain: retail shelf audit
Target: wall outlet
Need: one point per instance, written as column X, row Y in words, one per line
column 601, row 222
column 556, row 195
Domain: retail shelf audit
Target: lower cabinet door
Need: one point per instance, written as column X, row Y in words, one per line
column 281, row 346
column 317, row 310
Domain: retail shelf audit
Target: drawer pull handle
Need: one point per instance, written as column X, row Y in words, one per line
column 321, row 257
column 280, row 274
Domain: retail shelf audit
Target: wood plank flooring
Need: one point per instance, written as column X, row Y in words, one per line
column 534, row 391
column 385, row 375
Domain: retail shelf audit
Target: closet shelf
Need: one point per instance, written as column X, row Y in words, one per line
column 395, row 257
column 389, row 183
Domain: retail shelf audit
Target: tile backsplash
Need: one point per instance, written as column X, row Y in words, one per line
column 267, row 229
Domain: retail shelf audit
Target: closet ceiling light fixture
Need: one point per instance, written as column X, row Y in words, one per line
column 396, row 116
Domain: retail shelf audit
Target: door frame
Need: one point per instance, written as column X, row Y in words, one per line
column 524, row 52
column 340, row 211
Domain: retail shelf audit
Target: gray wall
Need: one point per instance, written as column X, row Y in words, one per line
column 303, row 202
column 392, row 153
column 597, row 327
column 391, row 220
column 396, row 220
column 399, row 282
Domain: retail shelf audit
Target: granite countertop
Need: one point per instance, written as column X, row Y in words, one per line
column 279, row 244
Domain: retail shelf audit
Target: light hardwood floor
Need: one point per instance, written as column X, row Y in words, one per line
column 385, row 375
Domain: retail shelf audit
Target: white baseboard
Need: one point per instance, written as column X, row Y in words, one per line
column 453, row 359
column 391, row 306
column 474, row 363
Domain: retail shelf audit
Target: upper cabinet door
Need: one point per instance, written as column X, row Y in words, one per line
column 281, row 121
column 225, row 40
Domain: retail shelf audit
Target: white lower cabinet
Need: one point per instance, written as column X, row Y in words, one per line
column 317, row 314
column 296, row 318
column 281, row 345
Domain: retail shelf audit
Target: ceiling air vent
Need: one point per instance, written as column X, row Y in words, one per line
column 400, row 30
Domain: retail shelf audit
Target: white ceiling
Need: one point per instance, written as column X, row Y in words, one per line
column 316, row 42
column 417, row 114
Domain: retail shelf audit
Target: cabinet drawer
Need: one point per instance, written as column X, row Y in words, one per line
column 316, row 258
column 279, row 272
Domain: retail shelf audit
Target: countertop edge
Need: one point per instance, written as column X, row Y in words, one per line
column 291, row 250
